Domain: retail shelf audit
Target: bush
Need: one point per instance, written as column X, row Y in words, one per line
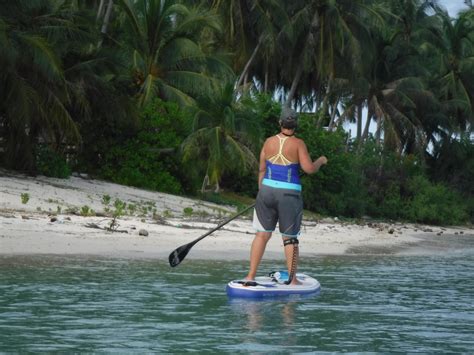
column 52, row 164
column 435, row 203
column 150, row 159
column 337, row 188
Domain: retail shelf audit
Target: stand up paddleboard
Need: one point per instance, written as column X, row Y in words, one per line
column 272, row 286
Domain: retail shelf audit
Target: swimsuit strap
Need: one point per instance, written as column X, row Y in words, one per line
column 279, row 155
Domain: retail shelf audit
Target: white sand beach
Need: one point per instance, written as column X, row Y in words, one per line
column 68, row 216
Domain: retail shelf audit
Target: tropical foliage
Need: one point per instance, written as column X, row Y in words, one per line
column 178, row 95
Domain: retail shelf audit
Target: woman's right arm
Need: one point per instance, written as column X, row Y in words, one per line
column 308, row 166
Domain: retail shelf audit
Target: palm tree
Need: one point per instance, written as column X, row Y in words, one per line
column 55, row 83
column 323, row 31
column 391, row 80
column 395, row 98
column 250, row 33
column 33, row 90
column 163, row 41
column 222, row 135
column 455, row 84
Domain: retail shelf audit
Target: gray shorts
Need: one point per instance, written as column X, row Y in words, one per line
column 278, row 205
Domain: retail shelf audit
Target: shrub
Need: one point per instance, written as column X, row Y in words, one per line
column 336, row 188
column 435, row 203
column 150, row 158
column 52, row 164
column 188, row 211
column 25, row 197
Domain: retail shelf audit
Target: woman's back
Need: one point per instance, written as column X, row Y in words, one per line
column 293, row 151
column 282, row 150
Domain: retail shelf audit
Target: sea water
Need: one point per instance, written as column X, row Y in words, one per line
column 380, row 303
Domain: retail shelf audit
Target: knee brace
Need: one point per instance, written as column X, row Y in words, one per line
column 291, row 241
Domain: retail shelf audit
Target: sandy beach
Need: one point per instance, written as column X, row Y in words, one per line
column 74, row 216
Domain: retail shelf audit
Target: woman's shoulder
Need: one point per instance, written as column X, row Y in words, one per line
column 297, row 140
column 269, row 139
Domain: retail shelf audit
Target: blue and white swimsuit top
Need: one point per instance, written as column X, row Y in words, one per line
column 283, row 175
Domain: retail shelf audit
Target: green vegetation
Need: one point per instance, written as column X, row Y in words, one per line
column 106, row 200
column 86, row 211
column 119, row 210
column 51, row 163
column 188, row 211
column 25, row 197
column 178, row 96
column 149, row 158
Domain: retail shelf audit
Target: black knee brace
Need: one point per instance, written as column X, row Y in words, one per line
column 291, row 241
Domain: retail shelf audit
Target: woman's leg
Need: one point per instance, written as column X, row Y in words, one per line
column 292, row 256
column 256, row 252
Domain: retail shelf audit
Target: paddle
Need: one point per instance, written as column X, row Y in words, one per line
column 178, row 255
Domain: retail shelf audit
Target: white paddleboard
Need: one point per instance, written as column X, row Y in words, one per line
column 271, row 286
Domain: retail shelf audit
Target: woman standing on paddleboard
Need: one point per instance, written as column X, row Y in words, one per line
column 279, row 197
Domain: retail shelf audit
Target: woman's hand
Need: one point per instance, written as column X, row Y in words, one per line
column 322, row 160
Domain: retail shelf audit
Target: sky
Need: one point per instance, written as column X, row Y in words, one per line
column 453, row 6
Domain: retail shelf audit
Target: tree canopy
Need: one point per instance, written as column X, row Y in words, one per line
column 78, row 78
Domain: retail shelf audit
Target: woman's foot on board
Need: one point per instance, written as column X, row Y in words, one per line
column 295, row 282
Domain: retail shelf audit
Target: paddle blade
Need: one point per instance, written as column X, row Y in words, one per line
column 179, row 254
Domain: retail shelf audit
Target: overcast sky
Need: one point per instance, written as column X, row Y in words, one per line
column 453, row 6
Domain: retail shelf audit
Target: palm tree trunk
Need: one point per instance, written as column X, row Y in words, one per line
column 107, row 17
column 105, row 24
column 378, row 132
column 367, row 126
column 294, row 85
column 265, row 86
column 324, row 109
column 359, row 121
column 333, row 115
column 205, row 182
column 249, row 62
column 100, row 10
column 299, row 71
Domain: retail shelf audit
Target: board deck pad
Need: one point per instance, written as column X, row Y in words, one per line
column 270, row 286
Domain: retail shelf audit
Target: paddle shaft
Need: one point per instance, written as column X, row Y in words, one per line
column 178, row 255
column 222, row 224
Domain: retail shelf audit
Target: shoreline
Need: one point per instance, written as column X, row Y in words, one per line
column 41, row 227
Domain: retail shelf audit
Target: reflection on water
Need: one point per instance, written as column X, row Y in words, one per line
column 376, row 304
column 256, row 312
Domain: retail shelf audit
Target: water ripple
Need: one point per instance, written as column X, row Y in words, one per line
column 376, row 304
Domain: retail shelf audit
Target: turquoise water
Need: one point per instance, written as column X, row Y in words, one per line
column 379, row 303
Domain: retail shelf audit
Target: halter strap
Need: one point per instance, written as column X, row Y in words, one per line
column 279, row 156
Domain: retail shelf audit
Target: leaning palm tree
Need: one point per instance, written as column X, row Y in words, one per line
column 222, row 135
column 162, row 38
column 251, row 32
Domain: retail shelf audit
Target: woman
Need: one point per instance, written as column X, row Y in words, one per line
column 279, row 197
